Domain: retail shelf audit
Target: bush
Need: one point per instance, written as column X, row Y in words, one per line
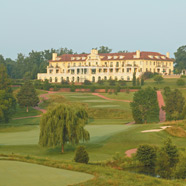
column 81, row 155
column 87, row 82
column 147, row 155
column 92, row 88
column 148, row 75
column 46, row 85
column 158, row 79
column 180, row 82
column 38, row 84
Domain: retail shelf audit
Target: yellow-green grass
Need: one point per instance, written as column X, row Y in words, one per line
column 120, row 95
column 105, row 141
column 14, row 173
column 103, row 176
column 21, row 112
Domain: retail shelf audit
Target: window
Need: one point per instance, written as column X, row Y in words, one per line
column 105, row 78
column 72, row 79
column 99, row 78
column 74, row 64
column 50, row 71
column 106, row 64
column 122, row 64
column 117, row 64
column 111, row 64
column 50, row 79
column 111, row 70
column 100, row 70
column 67, row 79
column 93, row 79
column 61, row 79
column 128, row 69
column 68, row 65
column 128, row 78
column 93, row 71
column 78, row 79
column 56, row 79
column 57, row 71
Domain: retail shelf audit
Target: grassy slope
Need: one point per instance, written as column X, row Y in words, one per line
column 35, row 175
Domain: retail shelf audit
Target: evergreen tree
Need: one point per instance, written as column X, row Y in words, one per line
column 64, row 123
column 27, row 96
column 81, row 155
column 145, row 106
column 142, row 81
column 134, row 79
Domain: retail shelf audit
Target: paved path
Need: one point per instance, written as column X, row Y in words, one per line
column 101, row 96
column 162, row 114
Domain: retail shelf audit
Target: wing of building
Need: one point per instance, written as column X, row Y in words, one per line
column 94, row 66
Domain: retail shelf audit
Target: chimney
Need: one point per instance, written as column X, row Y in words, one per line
column 54, row 56
column 94, row 51
column 138, row 54
column 168, row 54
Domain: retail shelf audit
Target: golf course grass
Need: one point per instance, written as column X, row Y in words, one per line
column 37, row 175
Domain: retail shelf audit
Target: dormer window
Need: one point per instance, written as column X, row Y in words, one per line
column 78, row 58
column 83, row 58
column 163, row 57
column 115, row 57
column 72, row 58
column 150, row 56
column 121, row 57
column 109, row 57
column 157, row 57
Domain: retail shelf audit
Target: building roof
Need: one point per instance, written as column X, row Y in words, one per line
column 114, row 56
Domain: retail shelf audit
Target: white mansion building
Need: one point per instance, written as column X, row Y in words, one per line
column 94, row 66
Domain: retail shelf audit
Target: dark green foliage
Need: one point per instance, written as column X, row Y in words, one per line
column 81, row 155
column 180, row 82
column 56, row 88
column 158, row 79
column 148, row 75
column 7, row 105
column 112, row 82
column 7, row 100
column 104, row 49
column 145, row 107
column 180, row 59
column 122, row 83
column 64, row 82
column 167, row 159
column 72, row 88
column 100, row 82
column 167, row 91
column 138, row 82
column 142, row 82
column 38, row 84
column 174, row 104
column 92, row 88
column 147, row 155
column 87, row 82
column 180, row 172
column 62, row 124
column 27, row 96
column 134, row 79
column 46, row 85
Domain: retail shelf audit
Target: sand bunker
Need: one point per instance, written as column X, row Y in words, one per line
column 156, row 130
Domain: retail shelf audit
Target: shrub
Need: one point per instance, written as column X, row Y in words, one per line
column 56, row 88
column 87, row 82
column 158, row 79
column 147, row 155
column 180, row 82
column 81, row 155
column 92, row 88
column 46, row 85
column 180, row 171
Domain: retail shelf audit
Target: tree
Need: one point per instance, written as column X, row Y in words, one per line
column 147, row 155
column 167, row 91
column 180, row 59
column 46, row 85
column 158, row 79
column 180, row 82
column 104, row 49
column 7, row 100
column 167, row 159
column 81, row 155
column 142, row 82
column 62, row 124
column 145, row 106
column 134, row 79
column 27, row 96
column 174, row 104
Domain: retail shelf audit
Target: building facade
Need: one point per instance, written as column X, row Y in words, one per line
column 94, row 66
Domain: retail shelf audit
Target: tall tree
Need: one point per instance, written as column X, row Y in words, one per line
column 7, row 101
column 174, row 104
column 27, row 96
column 134, row 79
column 145, row 106
column 104, row 49
column 180, row 58
column 64, row 123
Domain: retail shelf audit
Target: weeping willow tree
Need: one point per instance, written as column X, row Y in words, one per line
column 62, row 124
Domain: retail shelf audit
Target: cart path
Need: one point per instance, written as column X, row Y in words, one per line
column 104, row 97
column 44, row 96
column 162, row 114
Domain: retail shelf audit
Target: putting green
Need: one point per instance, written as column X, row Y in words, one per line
column 14, row 173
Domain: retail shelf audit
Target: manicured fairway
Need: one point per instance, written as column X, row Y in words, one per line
column 14, row 173
column 31, row 137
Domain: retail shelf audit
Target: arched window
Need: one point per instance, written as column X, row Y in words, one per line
column 105, row 78
column 99, row 78
column 56, row 79
column 50, row 79
column 67, row 79
column 117, row 64
column 93, row 79
column 61, row 79
column 72, row 79
column 78, row 79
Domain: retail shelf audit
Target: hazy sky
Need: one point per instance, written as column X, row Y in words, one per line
column 147, row 25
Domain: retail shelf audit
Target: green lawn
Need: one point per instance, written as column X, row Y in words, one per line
column 13, row 173
column 120, row 96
